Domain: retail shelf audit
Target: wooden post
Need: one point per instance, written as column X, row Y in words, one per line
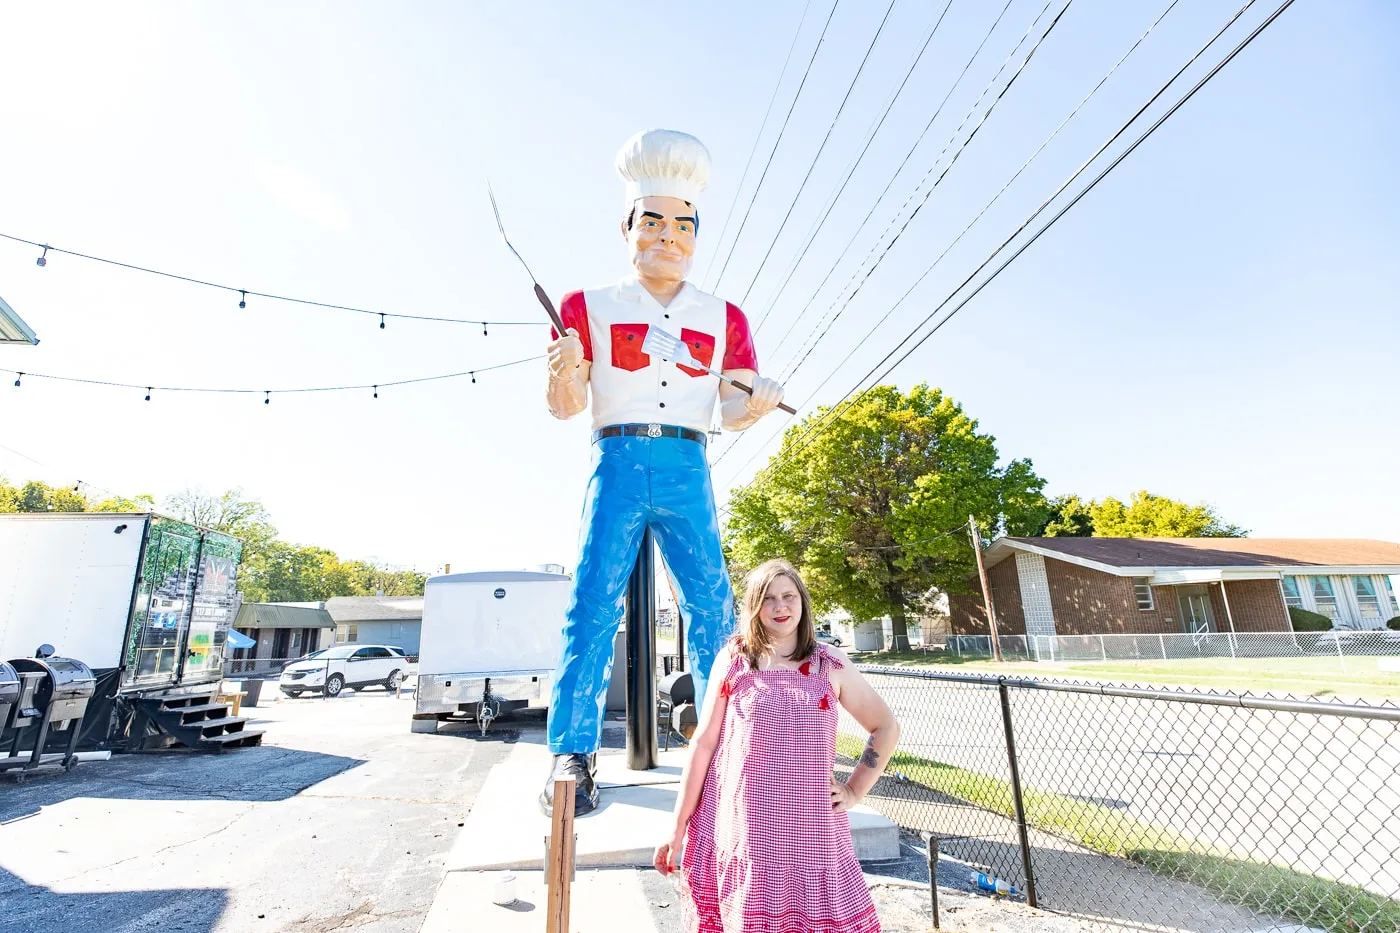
column 986, row 591
column 560, row 869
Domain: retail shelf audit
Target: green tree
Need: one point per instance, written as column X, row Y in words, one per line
column 369, row 578
column 1149, row 516
column 141, row 503
column 873, row 509
column 1070, row 517
column 36, row 496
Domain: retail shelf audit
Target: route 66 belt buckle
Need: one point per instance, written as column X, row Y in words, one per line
column 653, row 430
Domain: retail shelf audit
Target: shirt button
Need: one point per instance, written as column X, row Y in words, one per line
column 663, row 382
column 666, row 316
column 663, row 404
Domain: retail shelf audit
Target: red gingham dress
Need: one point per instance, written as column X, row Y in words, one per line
column 764, row 853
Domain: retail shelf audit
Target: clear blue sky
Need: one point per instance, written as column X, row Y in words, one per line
column 1217, row 322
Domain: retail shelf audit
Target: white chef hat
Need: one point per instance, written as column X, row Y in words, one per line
column 664, row 163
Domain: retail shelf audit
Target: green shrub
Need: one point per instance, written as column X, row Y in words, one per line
column 1394, row 624
column 1305, row 621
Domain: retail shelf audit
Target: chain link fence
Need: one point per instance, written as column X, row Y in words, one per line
column 1337, row 643
column 1152, row 809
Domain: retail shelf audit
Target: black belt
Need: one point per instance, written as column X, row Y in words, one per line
column 650, row 430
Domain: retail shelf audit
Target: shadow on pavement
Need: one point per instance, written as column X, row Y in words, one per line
column 262, row 774
column 37, row 909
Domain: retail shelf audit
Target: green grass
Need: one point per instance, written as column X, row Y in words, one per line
column 1282, row 892
column 1313, row 901
column 1308, row 676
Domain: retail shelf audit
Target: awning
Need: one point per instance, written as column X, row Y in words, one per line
column 237, row 639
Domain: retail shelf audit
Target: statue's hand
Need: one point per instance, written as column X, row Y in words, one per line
column 565, row 354
column 767, row 393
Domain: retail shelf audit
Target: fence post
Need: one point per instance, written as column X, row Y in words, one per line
column 1016, row 798
column 1337, row 640
column 1103, row 652
column 1163, row 642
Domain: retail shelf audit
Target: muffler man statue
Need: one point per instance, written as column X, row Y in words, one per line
column 650, row 418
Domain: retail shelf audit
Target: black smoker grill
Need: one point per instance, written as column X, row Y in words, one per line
column 9, row 693
column 53, row 696
column 675, row 704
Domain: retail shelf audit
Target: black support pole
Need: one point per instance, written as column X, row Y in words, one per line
column 641, row 660
column 1017, row 801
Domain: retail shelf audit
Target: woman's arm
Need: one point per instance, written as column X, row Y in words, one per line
column 855, row 694
column 702, row 752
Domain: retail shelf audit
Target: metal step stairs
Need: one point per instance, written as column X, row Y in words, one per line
column 191, row 720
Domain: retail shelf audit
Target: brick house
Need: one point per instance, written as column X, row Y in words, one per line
column 1150, row 586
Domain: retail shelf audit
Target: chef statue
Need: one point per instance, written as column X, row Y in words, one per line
column 650, row 418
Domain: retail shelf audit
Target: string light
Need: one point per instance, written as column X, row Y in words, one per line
column 43, row 260
column 76, row 485
column 267, row 393
column 243, row 293
column 381, row 322
column 483, row 329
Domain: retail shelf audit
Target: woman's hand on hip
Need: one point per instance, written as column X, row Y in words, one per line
column 842, row 797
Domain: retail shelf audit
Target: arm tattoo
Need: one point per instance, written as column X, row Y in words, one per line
column 870, row 758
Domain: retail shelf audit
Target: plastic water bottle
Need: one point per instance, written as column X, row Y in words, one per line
column 992, row 885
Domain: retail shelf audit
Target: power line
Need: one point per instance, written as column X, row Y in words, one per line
column 851, row 169
column 77, row 483
column 888, row 185
column 820, row 149
column 774, row 151
column 245, row 293
column 1012, row 180
column 20, row 376
column 808, row 347
column 836, row 410
column 761, row 127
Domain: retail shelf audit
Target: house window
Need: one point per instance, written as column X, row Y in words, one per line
column 1292, row 596
column 1324, row 597
column 1366, row 599
column 1390, row 596
column 1142, row 589
column 347, row 633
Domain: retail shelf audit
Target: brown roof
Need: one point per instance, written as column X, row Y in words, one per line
column 1224, row 552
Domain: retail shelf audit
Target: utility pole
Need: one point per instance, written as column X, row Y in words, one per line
column 986, row 591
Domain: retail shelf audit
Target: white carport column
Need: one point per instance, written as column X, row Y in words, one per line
column 1229, row 618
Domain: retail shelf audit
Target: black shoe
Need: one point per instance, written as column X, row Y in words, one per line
column 580, row 767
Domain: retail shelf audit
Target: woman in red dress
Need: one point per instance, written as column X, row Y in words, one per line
column 760, row 817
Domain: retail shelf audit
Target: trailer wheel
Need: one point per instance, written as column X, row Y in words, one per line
column 334, row 684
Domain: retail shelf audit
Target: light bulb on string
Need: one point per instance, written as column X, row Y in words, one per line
column 483, row 329
column 43, row 260
column 473, row 379
column 267, row 397
column 381, row 322
column 376, row 391
column 148, row 393
column 18, row 377
column 242, row 298
column 76, row 485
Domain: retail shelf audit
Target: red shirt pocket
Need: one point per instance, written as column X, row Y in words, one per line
column 702, row 350
column 627, row 347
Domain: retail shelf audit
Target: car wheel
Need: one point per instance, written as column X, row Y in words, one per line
column 292, row 693
column 391, row 683
column 836, row 643
column 334, row 684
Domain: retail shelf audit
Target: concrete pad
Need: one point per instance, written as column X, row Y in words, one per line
column 599, row 902
column 506, row 830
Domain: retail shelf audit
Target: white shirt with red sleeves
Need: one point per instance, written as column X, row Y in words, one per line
column 630, row 387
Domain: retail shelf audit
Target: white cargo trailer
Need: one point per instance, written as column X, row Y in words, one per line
column 490, row 644
column 144, row 600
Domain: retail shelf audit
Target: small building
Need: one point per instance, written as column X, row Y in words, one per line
column 378, row 620
column 282, row 631
column 1150, row 586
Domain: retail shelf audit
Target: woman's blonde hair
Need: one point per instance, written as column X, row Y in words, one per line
column 754, row 640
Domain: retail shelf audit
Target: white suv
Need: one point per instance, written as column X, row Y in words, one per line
column 334, row 669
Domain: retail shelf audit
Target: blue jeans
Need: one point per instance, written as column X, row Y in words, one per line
column 638, row 482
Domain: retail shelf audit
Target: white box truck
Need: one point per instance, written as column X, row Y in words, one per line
column 490, row 644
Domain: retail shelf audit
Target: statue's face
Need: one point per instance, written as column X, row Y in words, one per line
column 662, row 238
